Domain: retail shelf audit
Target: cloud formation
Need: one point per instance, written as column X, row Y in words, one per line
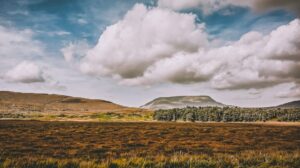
column 133, row 45
column 25, row 72
column 21, row 56
column 209, row 6
column 255, row 61
column 138, row 52
column 258, row 61
column 15, row 47
column 18, row 43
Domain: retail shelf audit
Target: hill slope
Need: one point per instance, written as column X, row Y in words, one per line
column 13, row 102
column 294, row 104
column 181, row 102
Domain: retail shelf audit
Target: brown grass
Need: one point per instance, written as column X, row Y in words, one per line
column 242, row 160
column 45, row 104
column 32, row 144
column 112, row 140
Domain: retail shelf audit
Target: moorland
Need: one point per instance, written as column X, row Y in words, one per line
column 55, row 131
column 119, row 144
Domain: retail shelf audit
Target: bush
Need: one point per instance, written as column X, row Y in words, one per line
column 228, row 114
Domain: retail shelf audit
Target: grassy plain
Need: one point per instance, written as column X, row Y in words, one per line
column 134, row 144
column 121, row 115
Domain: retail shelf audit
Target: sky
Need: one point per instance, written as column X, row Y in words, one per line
column 244, row 53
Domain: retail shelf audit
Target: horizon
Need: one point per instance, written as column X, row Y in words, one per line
column 153, row 99
column 245, row 54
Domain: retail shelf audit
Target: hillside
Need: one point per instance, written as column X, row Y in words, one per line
column 13, row 102
column 181, row 102
column 294, row 104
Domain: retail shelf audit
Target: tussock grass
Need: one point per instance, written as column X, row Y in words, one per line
column 26, row 144
column 245, row 159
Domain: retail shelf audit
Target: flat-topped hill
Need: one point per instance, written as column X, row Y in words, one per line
column 181, row 102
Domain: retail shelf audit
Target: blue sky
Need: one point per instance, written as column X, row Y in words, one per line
column 88, row 19
column 53, row 25
column 82, row 19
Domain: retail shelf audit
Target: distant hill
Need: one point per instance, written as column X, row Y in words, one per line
column 294, row 104
column 181, row 102
column 13, row 102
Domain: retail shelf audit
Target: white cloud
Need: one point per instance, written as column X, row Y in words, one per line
column 136, row 51
column 130, row 47
column 25, row 72
column 183, row 68
column 258, row 61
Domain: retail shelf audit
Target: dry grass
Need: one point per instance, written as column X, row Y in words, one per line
column 87, row 140
column 13, row 103
column 44, row 107
column 242, row 160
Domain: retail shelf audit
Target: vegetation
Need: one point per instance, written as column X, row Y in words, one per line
column 241, row 160
column 228, row 114
column 29, row 106
column 134, row 116
column 122, row 115
column 159, row 144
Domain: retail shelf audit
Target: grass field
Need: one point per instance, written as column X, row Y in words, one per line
column 96, row 144
column 123, row 115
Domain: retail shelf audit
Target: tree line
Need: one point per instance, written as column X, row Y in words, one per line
column 227, row 114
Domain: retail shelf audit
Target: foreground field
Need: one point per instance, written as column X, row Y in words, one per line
column 65, row 144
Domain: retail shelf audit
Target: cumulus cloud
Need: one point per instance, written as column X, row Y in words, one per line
column 258, row 61
column 25, row 72
column 136, row 51
column 255, row 61
column 133, row 45
column 183, row 68
column 209, row 6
